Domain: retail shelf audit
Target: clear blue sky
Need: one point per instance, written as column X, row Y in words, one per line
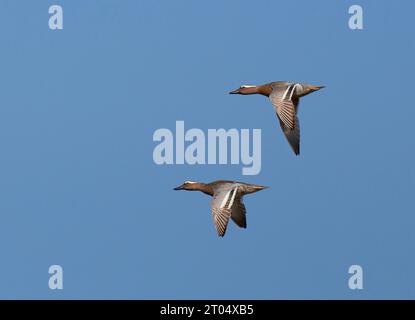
column 78, row 186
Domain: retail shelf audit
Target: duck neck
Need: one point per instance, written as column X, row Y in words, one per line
column 203, row 187
column 265, row 89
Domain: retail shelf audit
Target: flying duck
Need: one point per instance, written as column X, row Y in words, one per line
column 227, row 200
column 285, row 97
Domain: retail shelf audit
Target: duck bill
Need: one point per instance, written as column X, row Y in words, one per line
column 237, row 91
column 179, row 187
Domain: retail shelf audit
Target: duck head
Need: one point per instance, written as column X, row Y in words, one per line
column 245, row 89
column 189, row 185
column 264, row 89
column 196, row 186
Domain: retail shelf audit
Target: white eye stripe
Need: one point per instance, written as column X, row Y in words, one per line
column 247, row 86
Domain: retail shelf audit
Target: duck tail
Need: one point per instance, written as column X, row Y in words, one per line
column 316, row 88
column 255, row 188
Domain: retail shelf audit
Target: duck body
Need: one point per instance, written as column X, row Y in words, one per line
column 226, row 200
column 285, row 97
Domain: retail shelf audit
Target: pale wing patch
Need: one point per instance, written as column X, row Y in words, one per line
column 233, row 198
column 222, row 206
column 225, row 199
column 297, row 85
column 229, row 198
column 281, row 98
column 285, row 93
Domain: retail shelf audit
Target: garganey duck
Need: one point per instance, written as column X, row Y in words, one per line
column 285, row 97
column 227, row 200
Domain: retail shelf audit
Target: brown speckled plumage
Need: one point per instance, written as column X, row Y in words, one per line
column 285, row 97
column 227, row 200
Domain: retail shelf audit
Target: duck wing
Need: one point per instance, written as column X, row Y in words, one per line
column 286, row 107
column 227, row 204
column 283, row 102
column 292, row 135
column 238, row 214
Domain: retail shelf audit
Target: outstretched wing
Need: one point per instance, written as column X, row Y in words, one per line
column 283, row 102
column 286, row 106
column 292, row 135
column 238, row 214
column 228, row 204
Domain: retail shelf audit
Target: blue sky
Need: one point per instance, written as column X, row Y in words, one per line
column 79, row 188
